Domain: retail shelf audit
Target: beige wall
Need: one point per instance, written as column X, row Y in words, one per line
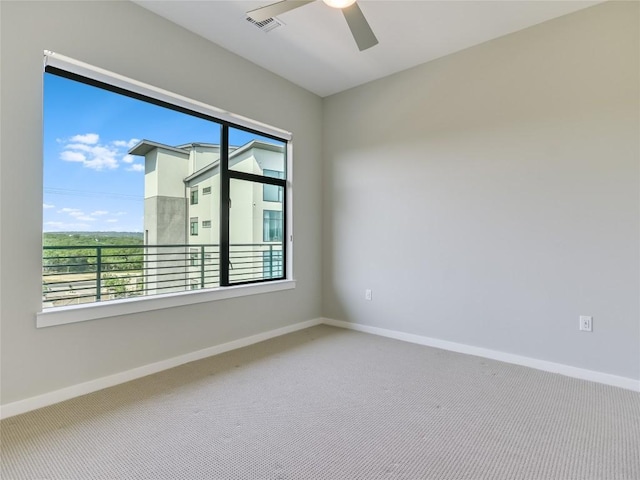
column 492, row 196
column 170, row 169
column 126, row 39
column 201, row 156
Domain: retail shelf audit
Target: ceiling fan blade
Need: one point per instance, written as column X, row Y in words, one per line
column 359, row 26
column 262, row 13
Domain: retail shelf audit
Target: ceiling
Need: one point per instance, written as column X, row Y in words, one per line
column 314, row 48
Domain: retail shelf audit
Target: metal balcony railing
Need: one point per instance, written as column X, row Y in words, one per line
column 93, row 273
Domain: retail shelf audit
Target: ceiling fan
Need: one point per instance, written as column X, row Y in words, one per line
column 358, row 25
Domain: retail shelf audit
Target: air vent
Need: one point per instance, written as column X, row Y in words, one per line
column 266, row 25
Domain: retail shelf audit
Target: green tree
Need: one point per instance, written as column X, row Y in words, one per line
column 116, row 285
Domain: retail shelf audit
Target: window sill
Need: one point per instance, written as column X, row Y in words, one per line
column 93, row 311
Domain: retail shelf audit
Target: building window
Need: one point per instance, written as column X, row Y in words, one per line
column 272, row 226
column 193, row 257
column 243, row 163
column 272, row 193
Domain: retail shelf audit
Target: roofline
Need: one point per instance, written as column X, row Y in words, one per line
column 198, row 144
column 204, row 169
column 236, row 152
column 259, row 144
column 145, row 146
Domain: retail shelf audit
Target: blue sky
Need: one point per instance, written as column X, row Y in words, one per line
column 90, row 182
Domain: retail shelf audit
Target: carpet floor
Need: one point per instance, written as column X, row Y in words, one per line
column 328, row 403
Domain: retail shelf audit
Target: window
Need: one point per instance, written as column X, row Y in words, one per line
column 193, row 257
column 86, row 258
column 272, row 193
column 272, row 229
column 252, row 230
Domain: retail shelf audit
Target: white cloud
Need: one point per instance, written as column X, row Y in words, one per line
column 70, row 210
column 136, row 167
column 79, row 146
column 112, row 220
column 99, row 212
column 121, row 213
column 77, row 214
column 126, row 143
column 88, row 138
column 128, row 159
column 102, row 163
column 46, row 205
column 85, row 149
column 101, row 158
column 68, row 156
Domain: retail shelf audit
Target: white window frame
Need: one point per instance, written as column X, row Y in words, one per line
column 112, row 308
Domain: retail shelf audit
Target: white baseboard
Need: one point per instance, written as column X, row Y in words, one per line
column 569, row 371
column 44, row 400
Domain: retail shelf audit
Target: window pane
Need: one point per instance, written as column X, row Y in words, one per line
column 251, row 153
column 256, row 233
column 104, row 186
column 272, row 226
column 272, row 173
column 194, row 255
column 194, row 225
column 272, row 193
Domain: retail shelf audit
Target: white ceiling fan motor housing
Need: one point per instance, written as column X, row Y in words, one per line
column 339, row 3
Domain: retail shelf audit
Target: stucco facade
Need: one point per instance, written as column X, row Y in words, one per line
column 182, row 214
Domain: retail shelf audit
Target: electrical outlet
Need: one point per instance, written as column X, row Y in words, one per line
column 367, row 294
column 586, row 323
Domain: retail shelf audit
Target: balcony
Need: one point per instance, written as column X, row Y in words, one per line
column 73, row 275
